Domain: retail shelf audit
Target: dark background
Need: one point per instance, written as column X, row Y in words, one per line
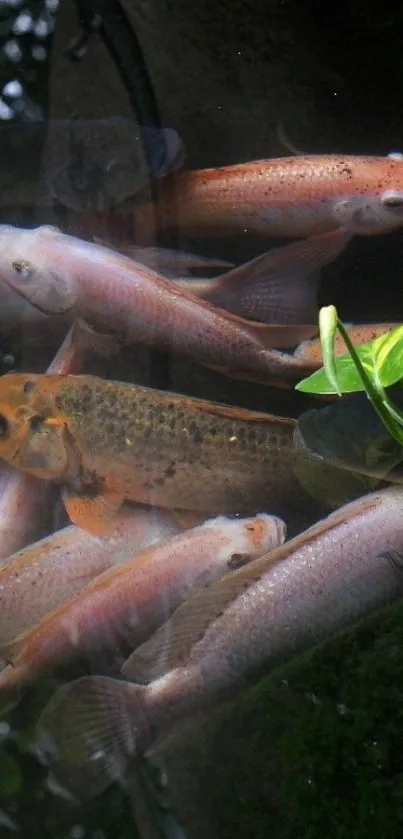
column 224, row 75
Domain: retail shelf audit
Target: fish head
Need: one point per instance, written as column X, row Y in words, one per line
column 31, row 438
column 369, row 214
column 27, row 267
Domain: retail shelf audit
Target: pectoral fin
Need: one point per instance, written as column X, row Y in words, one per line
column 188, row 518
column 89, row 339
column 94, row 513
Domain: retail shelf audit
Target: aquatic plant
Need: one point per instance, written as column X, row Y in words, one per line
column 371, row 367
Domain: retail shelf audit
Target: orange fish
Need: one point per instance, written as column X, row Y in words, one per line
column 26, row 503
column 60, row 274
column 107, row 441
column 286, row 196
column 129, row 601
column 360, row 334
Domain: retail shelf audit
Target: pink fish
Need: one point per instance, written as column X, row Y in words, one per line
column 360, row 333
column 61, row 274
column 37, row 579
column 27, row 503
column 285, row 196
column 224, row 639
column 132, row 599
column 278, row 287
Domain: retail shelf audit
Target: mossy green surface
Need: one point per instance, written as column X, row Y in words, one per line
column 315, row 750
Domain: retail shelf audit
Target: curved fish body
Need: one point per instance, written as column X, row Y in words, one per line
column 107, row 442
column 225, row 638
column 285, row 196
column 359, row 333
column 39, row 578
column 60, row 274
column 26, row 503
column 129, row 602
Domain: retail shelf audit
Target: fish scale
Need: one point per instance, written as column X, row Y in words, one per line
column 117, row 441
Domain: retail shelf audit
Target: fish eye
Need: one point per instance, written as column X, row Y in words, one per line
column 29, row 387
column 36, row 422
column 392, row 200
column 4, row 426
column 23, row 268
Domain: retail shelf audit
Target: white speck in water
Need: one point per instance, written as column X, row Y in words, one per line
column 13, row 89
column 233, row 439
column 77, row 831
column 6, row 822
column 342, row 709
column 52, row 5
column 23, row 23
column 13, row 50
column 4, row 730
column 57, row 789
column 5, row 111
column 315, row 699
column 98, row 755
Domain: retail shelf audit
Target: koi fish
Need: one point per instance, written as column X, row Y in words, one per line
column 172, row 263
column 222, row 640
column 107, row 442
column 26, row 503
column 39, row 578
column 129, row 601
column 279, row 286
column 286, row 196
column 360, row 333
column 60, row 274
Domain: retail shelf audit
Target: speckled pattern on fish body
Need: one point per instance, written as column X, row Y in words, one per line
column 117, row 441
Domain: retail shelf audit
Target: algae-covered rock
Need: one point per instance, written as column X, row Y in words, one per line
column 313, row 751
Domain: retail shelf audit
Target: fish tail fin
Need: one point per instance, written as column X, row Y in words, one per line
column 91, row 731
column 279, row 286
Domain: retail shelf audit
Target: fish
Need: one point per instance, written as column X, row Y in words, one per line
column 105, row 289
column 26, row 502
column 105, row 160
column 359, row 333
column 42, row 576
column 279, row 286
column 169, row 262
column 129, row 601
column 106, row 442
column 292, row 197
column 224, row 639
column 85, row 164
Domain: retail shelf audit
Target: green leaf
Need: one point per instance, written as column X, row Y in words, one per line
column 388, row 357
column 382, row 359
column 328, row 321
